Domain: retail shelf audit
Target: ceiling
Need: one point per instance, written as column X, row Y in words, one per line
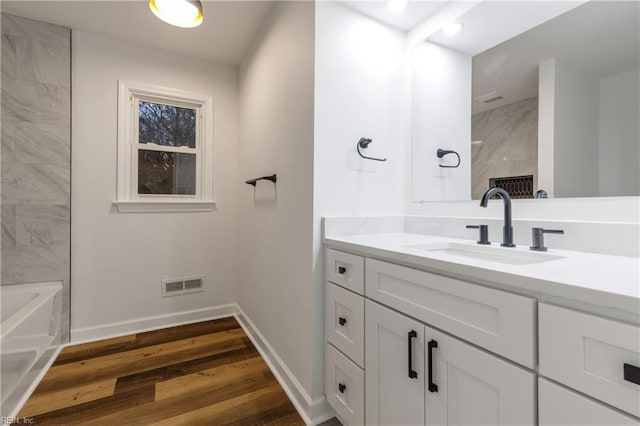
column 225, row 36
column 599, row 38
column 490, row 23
column 414, row 13
column 593, row 35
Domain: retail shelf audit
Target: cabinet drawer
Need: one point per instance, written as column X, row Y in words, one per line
column 499, row 321
column 344, row 385
column 559, row 406
column 344, row 269
column 344, row 322
column 588, row 353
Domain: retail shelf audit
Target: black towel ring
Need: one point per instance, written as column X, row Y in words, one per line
column 442, row 152
column 364, row 143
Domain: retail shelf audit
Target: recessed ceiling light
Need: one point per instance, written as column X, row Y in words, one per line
column 180, row 13
column 452, row 28
column 396, row 6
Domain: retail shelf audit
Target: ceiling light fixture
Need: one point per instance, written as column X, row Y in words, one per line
column 180, row 13
column 452, row 28
column 396, row 6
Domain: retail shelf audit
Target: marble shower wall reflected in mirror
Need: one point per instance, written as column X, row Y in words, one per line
column 504, row 142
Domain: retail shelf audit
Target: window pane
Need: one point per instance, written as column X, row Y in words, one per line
column 167, row 125
column 166, row 173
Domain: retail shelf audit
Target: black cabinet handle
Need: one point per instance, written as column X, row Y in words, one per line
column 342, row 387
column 342, row 270
column 342, row 321
column 632, row 373
column 430, row 346
column 413, row 374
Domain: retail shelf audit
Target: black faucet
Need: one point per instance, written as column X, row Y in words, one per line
column 507, row 229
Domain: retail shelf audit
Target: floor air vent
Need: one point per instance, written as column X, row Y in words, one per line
column 178, row 286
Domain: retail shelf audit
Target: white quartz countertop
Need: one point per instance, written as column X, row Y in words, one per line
column 601, row 280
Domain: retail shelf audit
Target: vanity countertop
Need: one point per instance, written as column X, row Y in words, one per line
column 602, row 280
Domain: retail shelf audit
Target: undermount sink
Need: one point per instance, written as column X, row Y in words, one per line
column 507, row 256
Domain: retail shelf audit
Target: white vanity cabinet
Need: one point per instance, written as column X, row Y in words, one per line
column 407, row 346
column 417, row 375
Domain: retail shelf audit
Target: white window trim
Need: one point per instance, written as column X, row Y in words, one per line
column 127, row 198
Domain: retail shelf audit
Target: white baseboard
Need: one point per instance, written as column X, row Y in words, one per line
column 139, row 325
column 314, row 411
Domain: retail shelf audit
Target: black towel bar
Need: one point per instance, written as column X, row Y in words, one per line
column 252, row 182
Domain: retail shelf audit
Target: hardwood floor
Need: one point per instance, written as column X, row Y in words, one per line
column 207, row 373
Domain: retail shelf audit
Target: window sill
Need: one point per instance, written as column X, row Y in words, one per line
column 164, row 206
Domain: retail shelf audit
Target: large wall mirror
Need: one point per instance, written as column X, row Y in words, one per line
column 551, row 111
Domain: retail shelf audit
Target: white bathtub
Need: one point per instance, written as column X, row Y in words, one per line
column 31, row 318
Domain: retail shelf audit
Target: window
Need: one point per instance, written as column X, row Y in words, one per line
column 165, row 149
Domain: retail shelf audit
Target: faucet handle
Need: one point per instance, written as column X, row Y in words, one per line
column 537, row 236
column 484, row 233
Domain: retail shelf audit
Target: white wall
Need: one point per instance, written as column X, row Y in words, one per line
column 360, row 87
column 118, row 259
column 441, row 118
column 360, row 91
column 275, row 225
column 576, row 133
column 619, row 134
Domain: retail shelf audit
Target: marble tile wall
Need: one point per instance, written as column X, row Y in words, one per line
column 35, row 154
column 509, row 147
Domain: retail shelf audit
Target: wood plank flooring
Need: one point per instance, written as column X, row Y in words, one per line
column 207, row 373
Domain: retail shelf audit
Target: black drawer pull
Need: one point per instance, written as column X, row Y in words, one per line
column 342, row 387
column 342, row 270
column 413, row 374
column 342, row 321
column 632, row 373
column 430, row 346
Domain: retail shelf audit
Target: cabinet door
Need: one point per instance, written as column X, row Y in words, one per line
column 471, row 387
column 559, row 406
column 394, row 374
